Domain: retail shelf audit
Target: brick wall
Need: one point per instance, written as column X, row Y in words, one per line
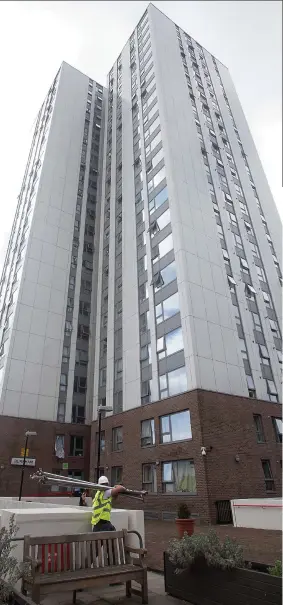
column 260, row 545
column 228, row 428
column 41, row 447
column 133, row 455
column 223, row 424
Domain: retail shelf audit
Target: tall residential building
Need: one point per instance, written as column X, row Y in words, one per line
column 169, row 282
column 48, row 286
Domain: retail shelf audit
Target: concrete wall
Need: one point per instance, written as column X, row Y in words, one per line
column 37, row 519
column 259, row 513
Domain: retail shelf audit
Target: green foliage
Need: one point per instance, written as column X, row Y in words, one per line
column 183, row 511
column 276, row 570
column 207, row 547
column 10, row 570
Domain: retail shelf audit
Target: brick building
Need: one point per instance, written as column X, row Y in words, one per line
column 238, row 434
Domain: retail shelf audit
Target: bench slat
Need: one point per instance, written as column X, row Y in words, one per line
column 110, row 552
column 88, row 552
column 59, row 562
column 46, row 558
column 76, row 537
column 52, row 558
column 105, row 551
column 122, row 550
column 77, row 555
column 83, row 555
column 94, row 555
column 83, row 574
column 115, row 551
column 100, row 555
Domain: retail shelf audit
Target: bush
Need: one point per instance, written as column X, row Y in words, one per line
column 276, row 570
column 10, row 570
column 207, row 547
column 183, row 511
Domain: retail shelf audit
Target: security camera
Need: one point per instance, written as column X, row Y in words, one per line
column 203, row 451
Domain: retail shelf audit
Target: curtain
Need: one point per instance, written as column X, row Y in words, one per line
column 184, row 476
column 59, row 446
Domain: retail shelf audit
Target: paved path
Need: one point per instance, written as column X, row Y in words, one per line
column 115, row 595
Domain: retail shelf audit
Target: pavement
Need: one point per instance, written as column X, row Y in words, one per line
column 116, row 595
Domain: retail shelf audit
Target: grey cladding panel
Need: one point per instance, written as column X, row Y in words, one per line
column 170, row 324
column 164, row 261
column 173, row 362
column 259, row 338
column 165, row 292
column 161, row 235
column 266, row 372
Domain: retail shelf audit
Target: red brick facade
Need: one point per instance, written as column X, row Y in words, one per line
column 41, row 447
column 224, row 424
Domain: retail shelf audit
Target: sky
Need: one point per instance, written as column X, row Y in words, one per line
column 35, row 37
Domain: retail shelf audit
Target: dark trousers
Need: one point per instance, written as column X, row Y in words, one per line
column 103, row 526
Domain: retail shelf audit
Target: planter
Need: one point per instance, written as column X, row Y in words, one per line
column 203, row 585
column 17, row 598
column 185, row 525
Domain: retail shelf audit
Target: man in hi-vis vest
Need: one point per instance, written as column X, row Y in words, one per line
column 102, row 504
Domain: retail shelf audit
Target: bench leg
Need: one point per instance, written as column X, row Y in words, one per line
column 74, row 597
column 35, row 593
column 144, row 588
column 129, row 588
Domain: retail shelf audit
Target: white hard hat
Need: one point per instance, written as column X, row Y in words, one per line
column 103, row 480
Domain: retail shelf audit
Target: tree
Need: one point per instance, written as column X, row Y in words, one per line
column 10, row 569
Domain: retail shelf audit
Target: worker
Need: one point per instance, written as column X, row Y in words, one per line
column 102, row 504
column 83, row 501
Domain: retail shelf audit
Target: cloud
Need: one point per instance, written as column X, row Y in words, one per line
column 37, row 36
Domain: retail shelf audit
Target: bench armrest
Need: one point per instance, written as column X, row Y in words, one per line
column 133, row 531
column 35, row 563
column 138, row 551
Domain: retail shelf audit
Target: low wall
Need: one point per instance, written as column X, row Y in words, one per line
column 257, row 513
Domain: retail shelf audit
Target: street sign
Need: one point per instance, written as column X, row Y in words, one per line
column 20, row 461
column 65, row 466
column 23, row 452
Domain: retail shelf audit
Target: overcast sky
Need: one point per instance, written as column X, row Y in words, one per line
column 35, row 37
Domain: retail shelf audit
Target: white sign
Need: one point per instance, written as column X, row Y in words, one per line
column 20, row 462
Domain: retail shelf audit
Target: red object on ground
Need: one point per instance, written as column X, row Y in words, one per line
column 50, row 554
column 185, row 525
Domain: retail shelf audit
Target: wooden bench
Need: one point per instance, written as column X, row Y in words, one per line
column 81, row 561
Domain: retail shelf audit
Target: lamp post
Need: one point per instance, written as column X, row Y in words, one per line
column 27, row 434
column 100, row 409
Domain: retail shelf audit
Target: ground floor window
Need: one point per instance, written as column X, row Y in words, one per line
column 179, row 476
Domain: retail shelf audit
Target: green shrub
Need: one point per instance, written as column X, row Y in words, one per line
column 276, row 570
column 183, row 511
column 208, row 547
column 10, row 570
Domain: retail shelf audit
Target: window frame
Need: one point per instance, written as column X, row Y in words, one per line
column 75, row 450
column 117, row 480
column 153, row 483
column 278, row 434
column 117, row 439
column 268, row 476
column 166, row 482
column 259, row 428
column 152, row 433
column 162, row 433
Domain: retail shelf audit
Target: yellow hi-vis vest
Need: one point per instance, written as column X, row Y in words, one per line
column 101, row 508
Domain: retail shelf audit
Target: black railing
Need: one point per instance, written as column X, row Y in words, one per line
column 224, row 512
